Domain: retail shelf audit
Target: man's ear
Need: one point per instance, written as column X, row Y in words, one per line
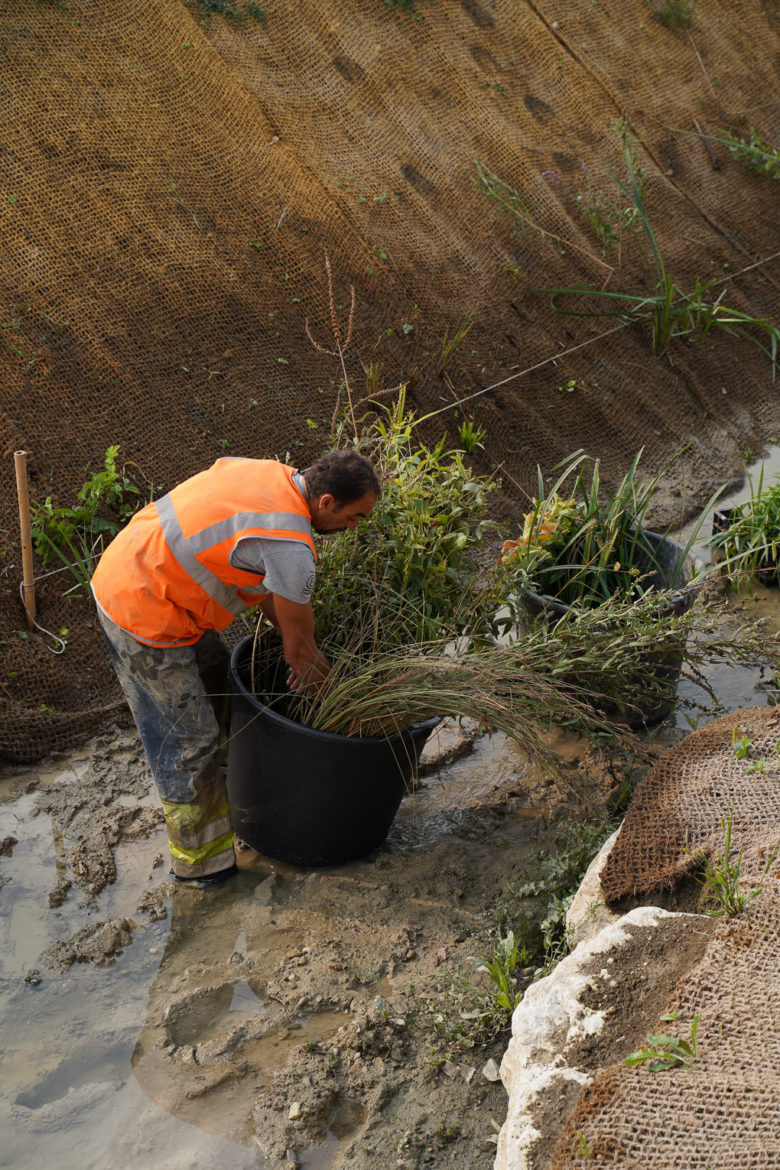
column 326, row 502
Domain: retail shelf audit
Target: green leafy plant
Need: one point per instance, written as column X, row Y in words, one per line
column 461, row 1016
column 75, row 534
column 753, row 152
column 740, row 744
column 663, row 1053
column 749, row 540
column 470, row 436
column 409, row 574
column 721, row 877
column 501, row 966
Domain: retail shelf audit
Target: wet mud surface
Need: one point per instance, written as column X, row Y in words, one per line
column 274, row 1020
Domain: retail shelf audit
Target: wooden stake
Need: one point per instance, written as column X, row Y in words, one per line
column 28, row 581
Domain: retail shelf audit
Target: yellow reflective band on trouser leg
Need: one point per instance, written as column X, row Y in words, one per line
column 200, row 834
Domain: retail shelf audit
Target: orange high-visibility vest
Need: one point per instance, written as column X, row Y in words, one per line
column 167, row 577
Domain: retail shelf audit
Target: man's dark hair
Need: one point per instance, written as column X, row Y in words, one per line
column 343, row 474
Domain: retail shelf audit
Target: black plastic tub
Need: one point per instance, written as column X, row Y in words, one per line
column 665, row 567
column 308, row 797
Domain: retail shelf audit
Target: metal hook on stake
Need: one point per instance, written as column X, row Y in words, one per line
column 28, row 581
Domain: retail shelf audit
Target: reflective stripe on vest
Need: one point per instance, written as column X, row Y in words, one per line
column 186, row 548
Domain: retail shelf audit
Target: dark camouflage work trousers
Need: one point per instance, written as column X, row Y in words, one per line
column 180, row 703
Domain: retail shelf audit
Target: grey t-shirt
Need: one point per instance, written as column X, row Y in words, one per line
column 288, row 565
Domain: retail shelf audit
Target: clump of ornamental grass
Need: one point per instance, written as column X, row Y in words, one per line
column 748, row 541
column 566, row 677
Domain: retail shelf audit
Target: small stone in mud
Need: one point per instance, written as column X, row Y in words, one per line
column 264, row 891
column 60, row 892
column 7, row 846
column 33, row 978
column 491, row 1072
column 294, row 1111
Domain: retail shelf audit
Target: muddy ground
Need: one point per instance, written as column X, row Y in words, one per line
column 287, row 1018
column 290, row 1013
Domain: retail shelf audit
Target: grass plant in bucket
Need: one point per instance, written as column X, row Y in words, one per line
column 317, row 798
column 745, row 539
column 579, row 550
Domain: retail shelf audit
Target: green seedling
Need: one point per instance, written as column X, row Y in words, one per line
column 500, row 966
column 721, row 877
column 663, row 1053
column 470, row 436
column 582, row 1146
column 740, row 744
column 450, row 345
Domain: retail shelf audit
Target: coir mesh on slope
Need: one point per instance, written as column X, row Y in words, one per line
column 170, row 186
column 724, row 1111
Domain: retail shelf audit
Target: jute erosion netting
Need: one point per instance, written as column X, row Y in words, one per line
column 171, row 184
column 724, row 1111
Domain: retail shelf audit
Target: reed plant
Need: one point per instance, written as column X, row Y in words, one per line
column 670, row 312
column 748, row 543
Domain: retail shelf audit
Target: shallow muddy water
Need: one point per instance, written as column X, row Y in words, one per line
column 149, row 1041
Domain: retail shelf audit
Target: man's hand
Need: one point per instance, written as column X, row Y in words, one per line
column 308, row 665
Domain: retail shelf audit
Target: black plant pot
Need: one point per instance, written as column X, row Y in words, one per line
column 308, row 797
column 664, row 566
